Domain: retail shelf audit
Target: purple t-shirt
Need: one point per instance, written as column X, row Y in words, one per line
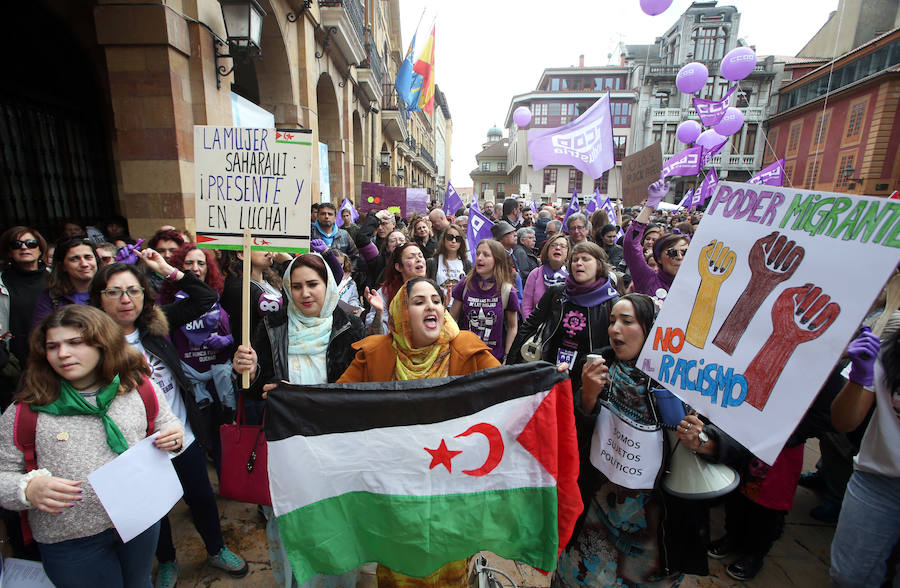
column 482, row 313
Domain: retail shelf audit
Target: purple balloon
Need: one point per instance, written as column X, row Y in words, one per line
column 688, row 131
column 709, row 139
column 522, row 116
column 738, row 63
column 692, row 77
column 654, row 7
column 731, row 122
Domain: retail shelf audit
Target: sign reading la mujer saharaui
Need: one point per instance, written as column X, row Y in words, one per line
column 773, row 287
column 253, row 179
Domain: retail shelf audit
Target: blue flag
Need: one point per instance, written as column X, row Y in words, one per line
column 452, row 201
column 404, row 81
column 479, row 228
column 574, row 207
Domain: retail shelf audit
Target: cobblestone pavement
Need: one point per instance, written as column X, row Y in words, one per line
column 800, row 558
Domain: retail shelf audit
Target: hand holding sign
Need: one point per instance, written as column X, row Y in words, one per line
column 716, row 263
column 799, row 315
column 773, row 259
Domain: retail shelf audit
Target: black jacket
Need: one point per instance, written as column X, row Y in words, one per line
column 526, row 260
column 155, row 339
column 271, row 343
column 548, row 314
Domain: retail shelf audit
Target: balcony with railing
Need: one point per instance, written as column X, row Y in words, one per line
column 753, row 114
column 765, row 67
column 370, row 73
column 344, row 22
column 729, row 161
column 424, row 154
column 393, row 114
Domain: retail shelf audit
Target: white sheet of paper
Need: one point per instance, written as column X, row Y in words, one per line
column 137, row 488
column 23, row 573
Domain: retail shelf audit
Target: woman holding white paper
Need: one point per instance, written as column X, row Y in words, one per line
column 92, row 398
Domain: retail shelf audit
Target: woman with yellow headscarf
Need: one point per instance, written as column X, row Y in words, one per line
column 424, row 342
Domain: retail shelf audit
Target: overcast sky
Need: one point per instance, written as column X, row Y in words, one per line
column 487, row 51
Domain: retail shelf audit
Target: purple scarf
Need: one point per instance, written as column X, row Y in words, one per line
column 588, row 295
column 553, row 277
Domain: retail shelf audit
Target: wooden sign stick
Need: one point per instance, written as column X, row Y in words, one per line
column 245, row 304
column 892, row 303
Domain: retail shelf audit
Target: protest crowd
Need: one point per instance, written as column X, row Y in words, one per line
column 108, row 338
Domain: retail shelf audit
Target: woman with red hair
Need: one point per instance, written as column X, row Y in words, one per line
column 205, row 345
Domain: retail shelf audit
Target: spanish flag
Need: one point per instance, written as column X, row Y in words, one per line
column 425, row 68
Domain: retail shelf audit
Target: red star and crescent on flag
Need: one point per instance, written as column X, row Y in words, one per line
column 443, row 456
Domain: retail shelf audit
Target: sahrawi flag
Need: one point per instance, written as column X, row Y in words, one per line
column 416, row 474
column 585, row 143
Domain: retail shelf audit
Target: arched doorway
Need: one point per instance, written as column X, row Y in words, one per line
column 330, row 133
column 55, row 160
column 359, row 156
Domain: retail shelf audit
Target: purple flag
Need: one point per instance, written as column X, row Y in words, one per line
column 534, row 207
column 707, row 187
column 585, row 143
column 708, row 154
column 574, row 206
column 687, row 201
column 607, row 205
column 594, row 202
column 452, row 201
column 479, row 228
column 354, row 215
column 771, row 176
column 686, row 163
column 712, row 111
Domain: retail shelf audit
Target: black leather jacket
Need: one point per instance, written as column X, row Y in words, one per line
column 271, row 343
column 548, row 314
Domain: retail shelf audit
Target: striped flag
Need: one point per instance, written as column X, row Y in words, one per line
column 416, row 474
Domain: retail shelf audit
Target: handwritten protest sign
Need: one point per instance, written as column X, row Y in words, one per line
column 256, row 179
column 773, row 287
column 639, row 170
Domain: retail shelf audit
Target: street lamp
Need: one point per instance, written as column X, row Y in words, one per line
column 401, row 174
column 243, row 29
column 385, row 158
column 243, row 25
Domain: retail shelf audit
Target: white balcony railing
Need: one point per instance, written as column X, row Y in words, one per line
column 665, row 115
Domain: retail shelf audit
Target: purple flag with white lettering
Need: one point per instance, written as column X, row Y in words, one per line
column 574, row 206
column 771, row 176
column 686, row 163
column 534, row 207
column 688, row 201
column 712, row 111
column 708, row 154
column 452, row 201
column 479, row 228
column 585, row 143
column 707, row 187
column 607, row 205
column 354, row 215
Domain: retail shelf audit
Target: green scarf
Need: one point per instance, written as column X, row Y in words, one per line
column 71, row 402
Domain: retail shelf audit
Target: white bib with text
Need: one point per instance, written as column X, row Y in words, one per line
column 628, row 454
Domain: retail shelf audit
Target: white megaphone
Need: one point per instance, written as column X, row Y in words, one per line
column 694, row 478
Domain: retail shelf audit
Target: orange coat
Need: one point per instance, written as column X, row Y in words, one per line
column 375, row 358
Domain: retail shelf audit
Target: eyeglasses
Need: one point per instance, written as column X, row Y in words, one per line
column 559, row 245
column 457, row 238
column 117, row 293
column 675, row 253
column 27, row 243
column 578, row 228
